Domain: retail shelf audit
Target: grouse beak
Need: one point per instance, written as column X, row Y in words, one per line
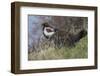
column 55, row 29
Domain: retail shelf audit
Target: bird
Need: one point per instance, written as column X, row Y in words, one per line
column 57, row 38
column 45, row 41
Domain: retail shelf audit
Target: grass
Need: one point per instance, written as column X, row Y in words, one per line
column 79, row 51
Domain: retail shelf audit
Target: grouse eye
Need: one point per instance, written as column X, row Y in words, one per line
column 49, row 30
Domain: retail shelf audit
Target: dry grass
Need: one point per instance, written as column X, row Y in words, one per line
column 79, row 51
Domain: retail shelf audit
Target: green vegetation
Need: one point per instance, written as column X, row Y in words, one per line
column 80, row 50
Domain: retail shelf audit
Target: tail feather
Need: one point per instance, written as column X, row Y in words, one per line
column 77, row 37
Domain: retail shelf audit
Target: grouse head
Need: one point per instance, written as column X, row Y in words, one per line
column 48, row 30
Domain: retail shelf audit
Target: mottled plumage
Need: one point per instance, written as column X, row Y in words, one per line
column 59, row 39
